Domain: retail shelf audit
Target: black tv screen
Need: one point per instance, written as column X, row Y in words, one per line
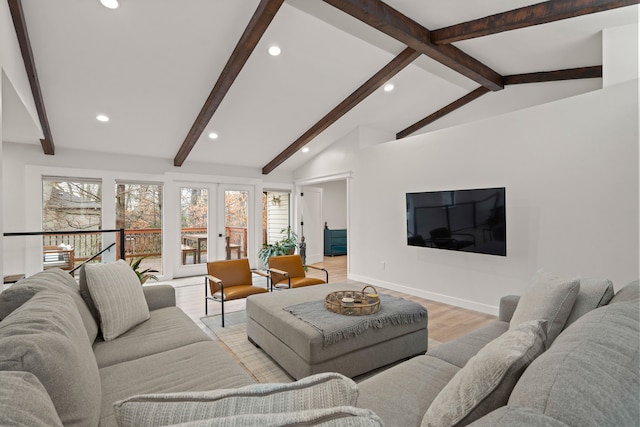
column 459, row 220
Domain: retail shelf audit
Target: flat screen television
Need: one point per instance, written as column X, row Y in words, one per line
column 459, row 220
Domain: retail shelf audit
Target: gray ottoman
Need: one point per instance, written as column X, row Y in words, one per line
column 299, row 349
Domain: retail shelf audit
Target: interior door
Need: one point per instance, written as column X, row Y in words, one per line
column 311, row 216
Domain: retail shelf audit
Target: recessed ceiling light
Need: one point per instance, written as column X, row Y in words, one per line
column 102, row 118
column 274, row 51
column 305, row 150
column 110, row 4
column 388, row 87
column 213, row 135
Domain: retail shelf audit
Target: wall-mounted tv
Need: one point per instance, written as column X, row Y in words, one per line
column 459, row 220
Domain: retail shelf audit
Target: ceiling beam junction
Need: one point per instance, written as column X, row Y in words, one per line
column 405, row 58
column 258, row 24
column 539, row 77
column 17, row 15
column 402, row 28
column 541, row 13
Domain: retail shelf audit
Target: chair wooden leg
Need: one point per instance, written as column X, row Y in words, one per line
column 206, row 305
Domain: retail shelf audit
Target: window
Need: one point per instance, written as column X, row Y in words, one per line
column 139, row 212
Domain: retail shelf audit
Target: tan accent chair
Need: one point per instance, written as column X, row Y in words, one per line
column 287, row 271
column 228, row 280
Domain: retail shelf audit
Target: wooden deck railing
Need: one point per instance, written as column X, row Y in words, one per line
column 147, row 242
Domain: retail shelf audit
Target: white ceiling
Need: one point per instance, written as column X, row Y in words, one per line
column 151, row 64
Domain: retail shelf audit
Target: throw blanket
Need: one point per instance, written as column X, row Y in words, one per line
column 335, row 327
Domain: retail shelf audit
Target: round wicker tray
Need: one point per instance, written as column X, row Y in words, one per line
column 364, row 303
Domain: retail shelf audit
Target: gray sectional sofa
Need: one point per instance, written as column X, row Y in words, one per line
column 576, row 364
column 49, row 336
column 588, row 376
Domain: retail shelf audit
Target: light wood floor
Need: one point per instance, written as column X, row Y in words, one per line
column 446, row 322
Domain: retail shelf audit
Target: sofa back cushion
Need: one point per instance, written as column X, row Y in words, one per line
column 590, row 375
column 25, row 402
column 593, row 293
column 631, row 292
column 117, row 294
column 548, row 297
column 45, row 336
column 55, row 280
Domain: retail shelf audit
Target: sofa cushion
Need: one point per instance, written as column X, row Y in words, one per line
column 55, row 280
column 340, row 416
column 631, row 292
column 25, row 402
column 460, row 350
column 343, row 416
column 590, row 375
column 486, row 381
column 117, row 294
column 548, row 297
column 45, row 336
column 510, row 416
column 401, row 394
column 319, row 391
column 167, row 329
column 195, row 367
column 593, row 293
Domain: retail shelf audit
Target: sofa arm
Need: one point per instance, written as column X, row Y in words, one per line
column 159, row 296
column 508, row 304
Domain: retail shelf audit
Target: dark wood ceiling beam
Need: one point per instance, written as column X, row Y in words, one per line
column 552, row 76
column 443, row 112
column 259, row 23
column 405, row 58
column 17, row 15
column 539, row 77
column 541, row 13
column 402, row 28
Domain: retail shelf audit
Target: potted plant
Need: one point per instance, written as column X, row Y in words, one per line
column 143, row 275
column 285, row 246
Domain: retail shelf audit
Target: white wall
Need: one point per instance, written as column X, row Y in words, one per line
column 570, row 169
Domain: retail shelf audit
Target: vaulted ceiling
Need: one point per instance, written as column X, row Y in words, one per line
column 169, row 73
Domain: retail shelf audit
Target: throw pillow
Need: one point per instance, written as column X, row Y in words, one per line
column 25, row 402
column 45, row 336
column 548, row 297
column 50, row 280
column 342, row 416
column 319, row 391
column 117, row 293
column 593, row 293
column 486, row 381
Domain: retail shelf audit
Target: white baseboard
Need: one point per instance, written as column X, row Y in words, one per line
column 458, row 302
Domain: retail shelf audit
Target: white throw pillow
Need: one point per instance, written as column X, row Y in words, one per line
column 318, row 391
column 548, row 297
column 486, row 381
column 117, row 294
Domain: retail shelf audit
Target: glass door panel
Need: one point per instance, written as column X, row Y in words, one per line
column 236, row 223
column 194, row 213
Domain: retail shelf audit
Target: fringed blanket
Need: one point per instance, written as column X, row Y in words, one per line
column 335, row 327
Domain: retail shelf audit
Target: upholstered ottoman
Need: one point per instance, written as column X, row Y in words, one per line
column 300, row 348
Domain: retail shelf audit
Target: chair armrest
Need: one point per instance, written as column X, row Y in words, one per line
column 508, row 304
column 275, row 270
column 159, row 296
column 261, row 273
column 215, row 284
column 326, row 273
